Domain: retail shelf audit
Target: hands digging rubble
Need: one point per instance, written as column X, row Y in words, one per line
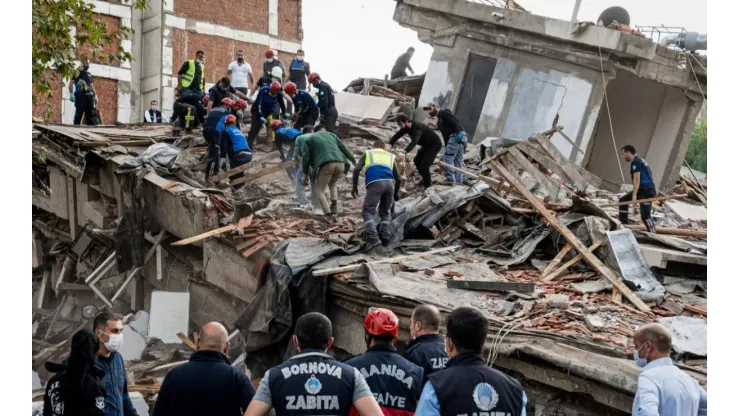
column 529, row 239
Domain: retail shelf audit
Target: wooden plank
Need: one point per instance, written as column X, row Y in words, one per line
column 247, row 253
column 639, row 201
column 244, row 222
column 574, row 260
column 242, row 168
column 184, row 338
column 488, row 285
column 669, row 231
column 265, row 172
column 556, row 261
column 566, row 172
column 566, row 164
column 203, row 236
column 73, row 287
column 550, row 185
column 196, row 337
column 701, row 310
column 352, row 267
column 572, row 239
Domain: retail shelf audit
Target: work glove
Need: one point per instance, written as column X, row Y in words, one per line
column 263, row 120
column 72, row 97
column 355, row 192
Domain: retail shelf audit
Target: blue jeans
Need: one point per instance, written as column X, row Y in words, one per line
column 299, row 188
column 454, row 155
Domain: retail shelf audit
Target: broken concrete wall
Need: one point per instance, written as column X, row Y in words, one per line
column 57, row 202
column 228, row 270
column 178, row 212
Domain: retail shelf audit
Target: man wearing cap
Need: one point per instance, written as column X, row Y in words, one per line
column 394, row 380
column 271, row 61
column 429, row 146
column 265, row 105
column 327, row 109
column 306, row 111
column 455, row 138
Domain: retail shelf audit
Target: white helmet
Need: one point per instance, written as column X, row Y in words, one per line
column 277, row 72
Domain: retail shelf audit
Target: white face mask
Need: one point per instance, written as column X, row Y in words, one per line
column 270, row 60
column 115, row 341
column 299, row 58
column 154, row 108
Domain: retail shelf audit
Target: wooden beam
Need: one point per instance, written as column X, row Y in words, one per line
column 556, row 261
column 72, row 207
column 639, row 201
column 488, row 285
column 397, row 259
column 550, row 185
column 205, row 235
column 572, row 239
column 265, row 172
column 184, row 338
column 669, row 231
column 242, row 168
column 574, row 260
column 554, row 153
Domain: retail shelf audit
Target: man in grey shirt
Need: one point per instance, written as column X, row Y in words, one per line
column 312, row 382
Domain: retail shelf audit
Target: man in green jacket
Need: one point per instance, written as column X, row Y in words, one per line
column 328, row 158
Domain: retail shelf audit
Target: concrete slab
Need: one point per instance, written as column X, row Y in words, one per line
column 656, row 256
column 688, row 211
column 139, row 403
column 35, row 381
column 97, row 213
column 169, row 315
column 592, row 286
column 140, row 323
column 360, row 107
column 133, row 344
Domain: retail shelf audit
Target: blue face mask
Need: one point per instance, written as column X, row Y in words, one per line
column 642, row 362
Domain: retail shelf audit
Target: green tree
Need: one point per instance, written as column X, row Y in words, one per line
column 696, row 155
column 55, row 49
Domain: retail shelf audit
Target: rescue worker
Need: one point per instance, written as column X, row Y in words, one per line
column 235, row 146
column 238, row 109
column 82, row 94
column 186, row 111
column 306, row 111
column 192, row 75
column 382, row 183
column 76, row 388
column 285, row 136
column 468, row 386
column 264, row 106
column 271, row 61
column 312, row 382
column 153, row 115
column 455, row 138
column 643, row 187
column 394, row 380
column 221, row 90
column 403, row 62
column 299, row 70
column 427, row 347
column 240, row 73
column 212, row 129
column 327, row 109
column 430, row 144
column 299, row 187
column 328, row 159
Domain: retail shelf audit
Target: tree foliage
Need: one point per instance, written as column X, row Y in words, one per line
column 55, row 45
column 696, row 155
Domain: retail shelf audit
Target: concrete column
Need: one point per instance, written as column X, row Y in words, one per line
column 681, row 144
column 272, row 10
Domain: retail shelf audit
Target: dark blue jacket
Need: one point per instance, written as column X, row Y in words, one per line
column 264, row 104
column 427, row 351
column 304, row 103
column 214, row 117
column 207, row 385
column 326, row 98
column 117, row 401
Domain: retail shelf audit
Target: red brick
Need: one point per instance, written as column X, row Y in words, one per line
column 107, row 92
column 53, row 102
column 114, row 26
column 289, row 19
column 220, row 52
column 249, row 15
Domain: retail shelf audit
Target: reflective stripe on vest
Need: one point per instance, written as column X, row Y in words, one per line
column 187, row 77
column 378, row 166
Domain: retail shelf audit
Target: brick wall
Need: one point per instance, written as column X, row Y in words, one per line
column 220, row 52
column 114, row 26
column 289, row 19
column 107, row 91
column 43, row 104
column 250, row 15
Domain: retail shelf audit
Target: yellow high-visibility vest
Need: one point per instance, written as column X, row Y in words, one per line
column 187, row 77
column 382, row 159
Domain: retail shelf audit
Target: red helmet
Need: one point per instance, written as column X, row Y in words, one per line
column 227, row 101
column 291, row 88
column 269, row 53
column 312, row 77
column 241, row 103
column 274, row 87
column 275, row 124
column 230, row 119
column 381, row 321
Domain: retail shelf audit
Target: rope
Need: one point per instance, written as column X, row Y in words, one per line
column 695, row 77
column 608, row 112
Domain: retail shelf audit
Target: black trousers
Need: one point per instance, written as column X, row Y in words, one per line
column 306, row 119
column 84, row 104
column 378, row 196
column 214, row 152
column 254, row 129
column 330, row 121
column 423, row 161
column 643, row 192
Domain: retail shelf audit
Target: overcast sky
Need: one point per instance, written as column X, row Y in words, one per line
column 346, row 39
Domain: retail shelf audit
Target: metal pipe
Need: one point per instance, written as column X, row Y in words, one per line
column 576, row 8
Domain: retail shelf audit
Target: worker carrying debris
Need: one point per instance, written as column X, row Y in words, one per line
column 455, row 138
column 297, row 154
column 221, row 90
column 382, row 183
column 266, row 105
column 235, row 146
column 394, row 380
column 313, row 382
column 328, row 159
column 285, row 136
column 403, row 62
column 306, row 111
column 427, row 347
column 468, row 386
column 327, row 109
column 430, row 144
column 77, row 387
column 643, row 187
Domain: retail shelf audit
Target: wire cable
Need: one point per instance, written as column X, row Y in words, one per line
column 608, row 110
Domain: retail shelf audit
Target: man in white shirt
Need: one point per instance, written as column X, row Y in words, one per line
column 240, row 73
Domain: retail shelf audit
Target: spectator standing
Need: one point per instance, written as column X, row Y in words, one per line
column 241, row 73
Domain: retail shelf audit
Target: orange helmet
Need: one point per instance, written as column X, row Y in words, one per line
column 274, row 87
column 290, row 88
column 227, row 101
column 230, row 119
column 275, row 124
column 381, row 321
column 241, row 103
column 312, row 77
